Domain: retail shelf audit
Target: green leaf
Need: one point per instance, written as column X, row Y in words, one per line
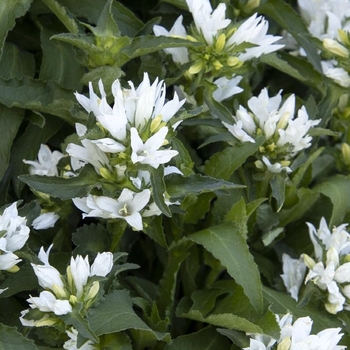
column 177, row 253
column 59, row 63
column 336, row 188
column 90, row 239
column 183, row 160
column 226, row 243
column 64, row 188
column 196, row 206
column 179, row 186
column 147, row 44
column 278, row 186
column 11, row 339
column 206, row 339
column 223, row 164
column 127, row 21
column 38, row 96
column 291, row 21
column 23, row 280
column 9, row 11
column 158, row 186
column 16, row 63
column 155, row 231
column 238, row 214
column 115, row 314
column 119, row 341
column 63, row 15
column 10, row 120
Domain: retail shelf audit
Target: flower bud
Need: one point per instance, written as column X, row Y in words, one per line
column 309, row 262
column 196, row 68
column 46, row 321
column 157, row 123
column 106, row 174
column 234, row 62
column 59, row 291
column 13, row 269
column 332, row 256
column 284, row 344
column 336, row 48
column 344, row 36
column 217, row 65
column 73, row 299
column 283, row 122
column 93, row 291
column 220, row 42
column 345, row 150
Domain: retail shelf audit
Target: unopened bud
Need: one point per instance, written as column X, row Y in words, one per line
column 260, row 165
column 73, row 299
column 332, row 256
column 234, row 62
column 344, row 36
column 45, row 321
column 191, row 38
column 284, row 344
column 217, row 65
column 336, row 48
column 309, row 262
column 345, row 150
column 13, row 269
column 196, row 68
column 220, row 42
column 283, row 122
column 59, row 291
column 251, row 5
column 285, row 163
column 93, row 291
column 157, row 123
column 106, row 174
column 69, row 278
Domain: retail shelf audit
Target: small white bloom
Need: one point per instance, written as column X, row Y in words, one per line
column 45, row 220
column 275, row 168
column 47, row 275
column 109, row 145
column 207, row 21
column 126, row 207
column 293, row 274
column 102, row 264
column 8, row 260
column 80, row 269
column 71, row 344
column 148, row 152
column 47, row 302
column 46, row 164
column 226, row 88
column 179, row 54
column 338, row 74
column 254, row 30
column 90, row 153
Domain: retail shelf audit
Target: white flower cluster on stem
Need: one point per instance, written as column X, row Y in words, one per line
column 329, row 270
column 285, row 135
column 135, row 133
column 63, row 292
column 296, row 336
column 14, row 234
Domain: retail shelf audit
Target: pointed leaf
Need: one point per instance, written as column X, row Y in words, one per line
column 158, row 186
column 226, row 243
column 223, row 164
column 11, row 339
column 9, row 11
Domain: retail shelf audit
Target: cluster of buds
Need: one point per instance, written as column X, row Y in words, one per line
column 329, row 270
column 62, row 293
column 285, row 136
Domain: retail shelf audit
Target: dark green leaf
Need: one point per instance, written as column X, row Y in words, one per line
column 278, row 186
column 11, row 339
column 226, row 243
column 158, row 185
column 206, row 339
column 179, row 186
column 9, row 11
column 223, row 164
column 64, row 188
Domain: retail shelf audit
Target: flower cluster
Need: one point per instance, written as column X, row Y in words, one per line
column 329, row 270
column 328, row 20
column 14, row 233
column 128, row 138
column 297, row 335
column 63, row 292
column 285, row 136
column 225, row 47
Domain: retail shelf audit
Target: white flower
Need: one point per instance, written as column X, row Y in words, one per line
column 48, row 276
column 15, row 233
column 102, row 264
column 90, row 153
column 338, row 74
column 207, row 21
column 71, row 344
column 293, row 274
column 285, row 136
column 46, row 163
column 179, row 54
column 226, row 88
column 126, row 207
column 254, row 30
column 47, row 302
column 148, row 152
column 45, row 220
